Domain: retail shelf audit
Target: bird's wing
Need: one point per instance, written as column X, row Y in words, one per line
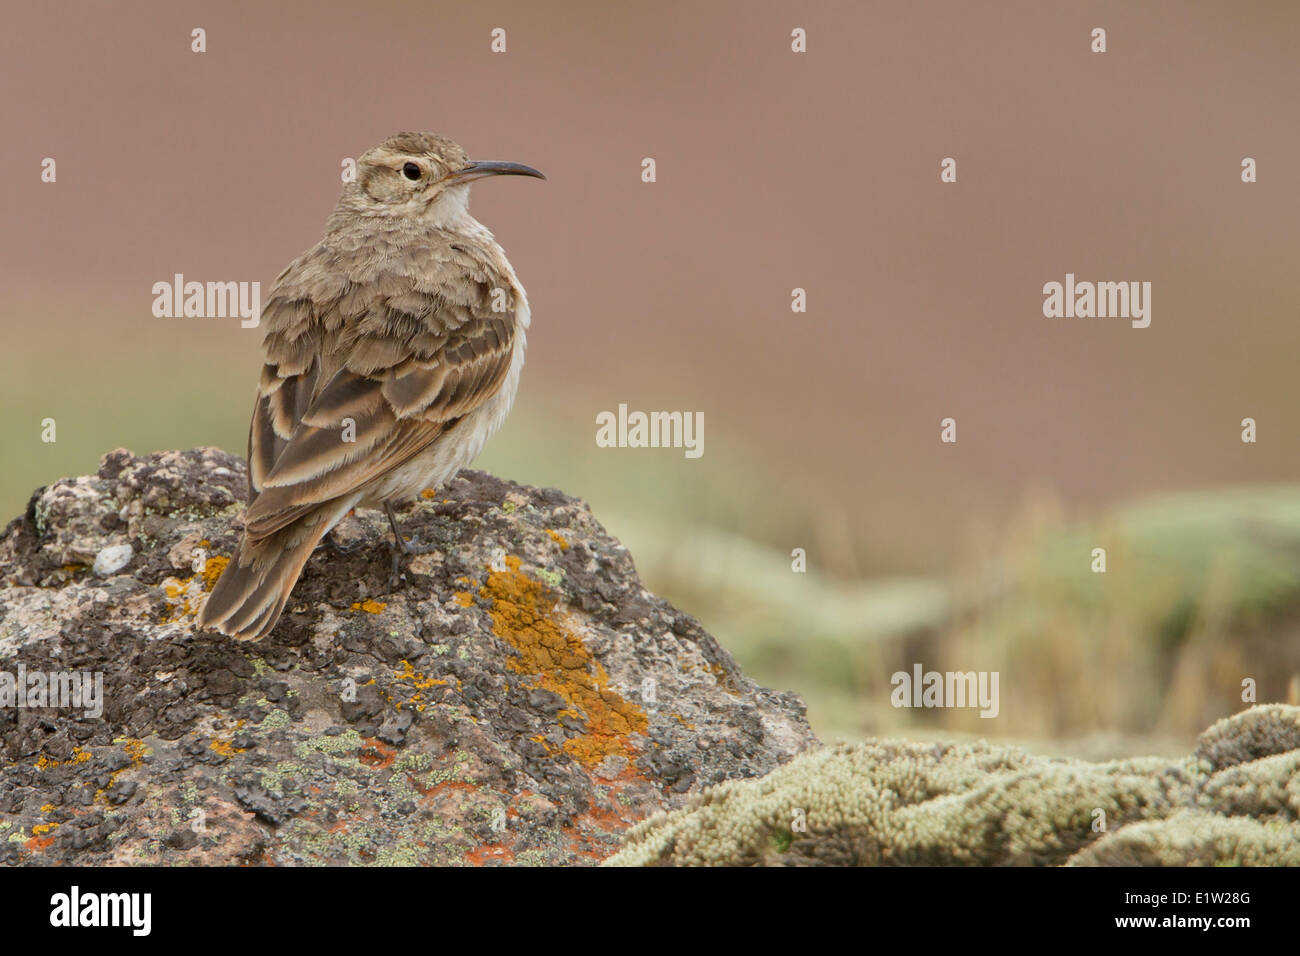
column 411, row 360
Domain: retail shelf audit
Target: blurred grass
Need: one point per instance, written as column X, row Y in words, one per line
column 1201, row 588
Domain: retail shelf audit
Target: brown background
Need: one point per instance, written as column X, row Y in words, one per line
column 775, row 170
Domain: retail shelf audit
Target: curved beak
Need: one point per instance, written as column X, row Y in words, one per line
column 482, row 170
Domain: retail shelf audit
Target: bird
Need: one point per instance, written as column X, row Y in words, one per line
column 393, row 351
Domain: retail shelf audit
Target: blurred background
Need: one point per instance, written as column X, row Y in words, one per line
column 775, row 170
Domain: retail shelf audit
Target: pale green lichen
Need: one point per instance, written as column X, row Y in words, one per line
column 1235, row 801
column 414, row 762
column 260, row 667
column 535, row 857
column 275, row 720
column 348, row 742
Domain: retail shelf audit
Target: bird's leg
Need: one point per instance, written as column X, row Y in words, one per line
column 401, row 545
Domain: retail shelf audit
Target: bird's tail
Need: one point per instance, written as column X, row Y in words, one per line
column 255, row 586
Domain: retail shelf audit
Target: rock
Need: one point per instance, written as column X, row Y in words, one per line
column 1235, row 801
column 517, row 697
column 112, row 559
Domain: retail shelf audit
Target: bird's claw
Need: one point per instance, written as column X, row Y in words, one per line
column 334, row 545
column 404, row 548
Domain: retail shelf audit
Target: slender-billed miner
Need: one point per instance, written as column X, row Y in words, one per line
column 393, row 352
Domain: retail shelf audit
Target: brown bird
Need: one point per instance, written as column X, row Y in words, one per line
column 393, row 352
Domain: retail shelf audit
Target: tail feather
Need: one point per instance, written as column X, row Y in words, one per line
column 251, row 593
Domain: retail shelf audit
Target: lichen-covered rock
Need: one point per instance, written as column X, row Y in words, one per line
column 1236, row 800
column 516, row 697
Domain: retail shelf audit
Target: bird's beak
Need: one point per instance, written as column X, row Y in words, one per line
column 482, row 170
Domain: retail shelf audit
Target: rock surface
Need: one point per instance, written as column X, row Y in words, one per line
column 517, row 697
column 1234, row 801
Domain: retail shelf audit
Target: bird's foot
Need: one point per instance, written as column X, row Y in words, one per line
column 332, row 542
column 404, row 550
column 413, row 545
column 403, row 547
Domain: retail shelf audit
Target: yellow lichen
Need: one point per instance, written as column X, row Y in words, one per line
column 181, row 594
column 212, row 569
column 418, row 681
column 136, row 750
column 558, row 539
column 226, row 748
column 78, row 756
column 463, row 598
column 369, row 606
column 524, row 614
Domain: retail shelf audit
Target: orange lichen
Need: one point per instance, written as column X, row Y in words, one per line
column 417, row 679
column 525, row 615
column 226, row 748
column 420, row 682
column 212, row 569
column 374, row 753
column 179, row 593
column 724, row 679
column 369, row 606
column 490, row 851
column 558, row 539
column 428, row 494
column 78, row 756
column 136, row 750
column 463, row 598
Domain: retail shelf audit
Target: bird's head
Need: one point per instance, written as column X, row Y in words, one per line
column 420, row 175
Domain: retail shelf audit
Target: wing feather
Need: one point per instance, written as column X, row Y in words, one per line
column 399, row 359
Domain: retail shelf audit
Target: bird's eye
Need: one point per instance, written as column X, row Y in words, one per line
column 411, row 171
